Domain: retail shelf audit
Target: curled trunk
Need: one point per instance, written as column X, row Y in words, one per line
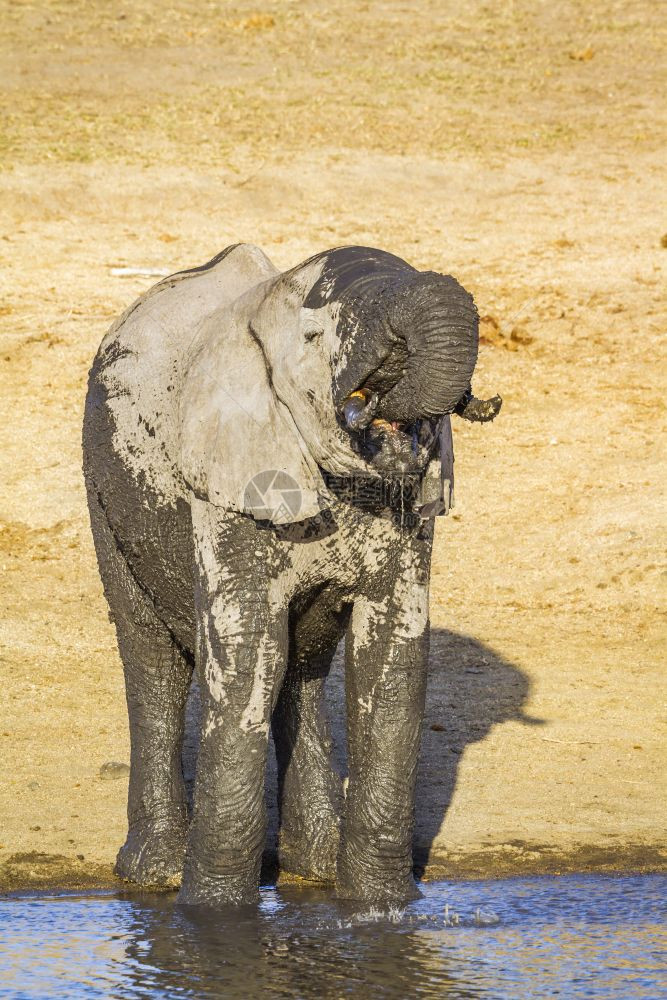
column 437, row 321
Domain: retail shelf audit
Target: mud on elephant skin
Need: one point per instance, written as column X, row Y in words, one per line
column 264, row 454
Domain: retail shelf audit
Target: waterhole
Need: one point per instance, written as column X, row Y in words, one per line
column 568, row 936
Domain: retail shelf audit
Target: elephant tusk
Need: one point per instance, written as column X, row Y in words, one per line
column 359, row 409
column 478, row 410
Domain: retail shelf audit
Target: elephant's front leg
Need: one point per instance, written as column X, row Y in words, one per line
column 387, row 650
column 241, row 653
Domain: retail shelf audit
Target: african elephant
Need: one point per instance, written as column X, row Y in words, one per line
column 264, row 454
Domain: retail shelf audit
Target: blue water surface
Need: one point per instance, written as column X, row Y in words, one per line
column 568, row 936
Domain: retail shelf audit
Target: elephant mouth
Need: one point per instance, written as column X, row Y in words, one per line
column 391, row 447
column 397, row 447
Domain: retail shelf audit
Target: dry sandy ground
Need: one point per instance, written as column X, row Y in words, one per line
column 519, row 146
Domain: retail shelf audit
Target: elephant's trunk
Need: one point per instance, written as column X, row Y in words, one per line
column 436, row 320
column 408, row 340
column 479, row 410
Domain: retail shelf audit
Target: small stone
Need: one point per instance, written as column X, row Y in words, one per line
column 583, row 55
column 33, row 785
column 113, row 769
column 35, row 828
column 663, row 241
column 437, row 728
column 79, row 857
column 520, row 335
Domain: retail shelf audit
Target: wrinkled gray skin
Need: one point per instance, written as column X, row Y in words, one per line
column 214, row 376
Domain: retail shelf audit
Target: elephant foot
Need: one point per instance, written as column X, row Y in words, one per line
column 379, row 894
column 152, row 855
column 312, row 858
column 378, row 884
column 199, row 889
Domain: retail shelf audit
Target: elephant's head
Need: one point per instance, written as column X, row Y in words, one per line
column 355, row 361
column 381, row 352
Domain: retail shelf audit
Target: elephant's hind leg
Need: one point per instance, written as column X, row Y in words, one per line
column 157, row 676
column 309, row 792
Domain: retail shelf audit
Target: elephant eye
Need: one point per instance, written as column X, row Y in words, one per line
column 313, row 333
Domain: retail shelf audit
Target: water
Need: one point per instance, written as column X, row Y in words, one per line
column 568, row 937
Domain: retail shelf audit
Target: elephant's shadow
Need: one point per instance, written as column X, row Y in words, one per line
column 470, row 690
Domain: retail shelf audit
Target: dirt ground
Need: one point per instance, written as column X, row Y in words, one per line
column 519, row 146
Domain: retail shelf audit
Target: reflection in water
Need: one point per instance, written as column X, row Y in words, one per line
column 573, row 936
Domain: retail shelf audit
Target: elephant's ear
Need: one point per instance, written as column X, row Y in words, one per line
column 240, row 448
column 437, row 495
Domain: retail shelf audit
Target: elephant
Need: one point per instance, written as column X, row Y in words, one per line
column 264, row 455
